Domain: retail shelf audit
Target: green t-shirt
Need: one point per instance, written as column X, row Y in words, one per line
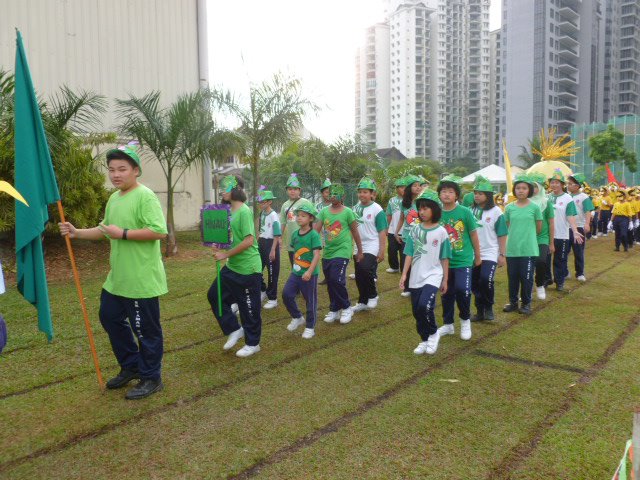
column 338, row 233
column 303, row 247
column 468, row 200
column 247, row 261
column 136, row 266
column 288, row 219
column 522, row 240
column 459, row 223
column 543, row 236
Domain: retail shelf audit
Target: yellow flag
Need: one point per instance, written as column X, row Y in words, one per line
column 507, row 167
column 7, row 188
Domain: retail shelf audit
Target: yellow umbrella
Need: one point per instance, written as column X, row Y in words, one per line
column 547, row 167
column 7, row 188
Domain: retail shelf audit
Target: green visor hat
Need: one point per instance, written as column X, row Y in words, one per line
column 307, row 208
column 579, row 178
column 429, row 195
column 130, row 150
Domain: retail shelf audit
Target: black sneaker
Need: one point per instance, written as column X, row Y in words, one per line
column 617, row 249
column 525, row 309
column 560, row 288
column 144, row 388
column 510, row 307
column 488, row 314
column 479, row 316
column 120, row 380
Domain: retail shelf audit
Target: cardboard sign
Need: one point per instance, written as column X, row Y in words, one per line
column 215, row 225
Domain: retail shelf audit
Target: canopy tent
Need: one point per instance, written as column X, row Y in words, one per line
column 494, row 173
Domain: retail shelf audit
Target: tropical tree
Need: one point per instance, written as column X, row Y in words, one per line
column 268, row 121
column 608, row 147
column 527, row 156
column 180, row 136
column 346, row 159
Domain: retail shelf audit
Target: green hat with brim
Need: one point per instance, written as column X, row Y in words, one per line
column 325, row 184
column 401, row 182
column 264, row 195
column 336, row 190
column 523, row 178
column 129, row 150
column 307, row 208
column 482, row 184
column 293, row 181
column 429, row 195
column 411, row 179
column 367, row 183
column 537, row 177
column 579, row 178
column 228, row 183
column 557, row 175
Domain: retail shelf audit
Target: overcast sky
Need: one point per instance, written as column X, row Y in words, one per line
column 249, row 40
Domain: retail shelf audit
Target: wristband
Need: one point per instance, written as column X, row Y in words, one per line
column 124, row 233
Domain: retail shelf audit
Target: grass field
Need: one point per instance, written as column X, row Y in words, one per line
column 549, row 396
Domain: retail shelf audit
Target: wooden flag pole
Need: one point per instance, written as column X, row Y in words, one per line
column 76, row 277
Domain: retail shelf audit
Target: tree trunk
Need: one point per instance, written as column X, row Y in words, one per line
column 172, row 245
column 256, row 184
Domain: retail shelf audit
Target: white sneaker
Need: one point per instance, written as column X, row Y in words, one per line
column 373, row 302
column 541, row 293
column 465, row 329
column 446, row 330
column 392, row 270
column 346, row 316
column 421, row 348
column 568, row 275
column 352, row 276
column 359, row 307
column 581, row 278
column 270, row 304
column 432, row 343
column 233, row 338
column 247, row 351
column 308, row 333
column 263, row 296
column 606, row 234
column 295, row 323
column 332, row 317
column 234, row 308
column 405, row 294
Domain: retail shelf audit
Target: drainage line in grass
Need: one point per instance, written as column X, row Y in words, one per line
column 530, row 363
column 526, row 447
column 312, row 437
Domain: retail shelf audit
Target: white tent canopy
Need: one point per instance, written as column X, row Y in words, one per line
column 494, row 173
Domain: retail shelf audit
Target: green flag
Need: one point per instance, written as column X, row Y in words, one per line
column 34, row 178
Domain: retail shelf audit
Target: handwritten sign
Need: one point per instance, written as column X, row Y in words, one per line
column 215, row 225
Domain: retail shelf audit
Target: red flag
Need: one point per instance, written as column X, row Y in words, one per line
column 611, row 177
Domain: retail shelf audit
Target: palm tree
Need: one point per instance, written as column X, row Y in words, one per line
column 526, row 157
column 180, row 136
column 274, row 112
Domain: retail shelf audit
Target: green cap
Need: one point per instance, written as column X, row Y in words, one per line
column 293, row 181
column 409, row 179
column 557, row 175
column 307, row 208
column 537, row 177
column 336, row 190
column 452, row 179
column 367, row 183
column 423, row 181
column 523, row 177
column 228, row 183
column 264, row 195
column 130, row 150
column 429, row 195
column 401, row 182
column 579, row 178
column 482, row 184
column 325, row 184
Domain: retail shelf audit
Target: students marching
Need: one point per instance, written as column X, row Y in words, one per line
column 269, row 247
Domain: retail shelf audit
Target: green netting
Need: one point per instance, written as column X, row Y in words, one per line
column 629, row 126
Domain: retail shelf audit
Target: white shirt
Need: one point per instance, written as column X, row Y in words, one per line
column 561, row 223
column 267, row 221
column 393, row 209
column 2, row 288
column 490, row 223
column 426, row 248
column 368, row 226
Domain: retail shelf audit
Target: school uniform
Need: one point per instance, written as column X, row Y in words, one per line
column 394, row 249
column 371, row 221
column 564, row 207
column 269, row 232
column 543, row 260
column 583, row 205
column 621, row 213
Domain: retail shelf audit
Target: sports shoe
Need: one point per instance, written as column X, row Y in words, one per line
column 352, row 276
column 392, row 270
column 234, row 308
column 247, row 351
column 560, row 287
column 478, row 317
column 510, row 307
column 295, row 323
column 465, row 329
column 359, row 307
column 270, row 304
column 421, row 348
column 432, row 343
column 233, row 338
column 541, row 293
column 568, row 275
column 373, row 302
column 405, row 294
column 263, row 296
column 488, row 314
column 581, row 278
column 347, row 313
column 525, row 309
column 122, row 379
column 144, row 388
column 332, row 317
column 446, row 330
column 308, row 333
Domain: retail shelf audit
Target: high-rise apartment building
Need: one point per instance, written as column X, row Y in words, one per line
column 495, row 92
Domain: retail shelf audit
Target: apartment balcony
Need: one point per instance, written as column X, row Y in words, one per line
column 568, row 67
column 565, row 123
column 567, row 108
column 569, row 40
column 569, row 81
column 569, row 26
column 570, row 54
column 569, row 12
column 568, row 95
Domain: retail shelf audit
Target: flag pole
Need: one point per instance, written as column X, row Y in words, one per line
column 76, row 277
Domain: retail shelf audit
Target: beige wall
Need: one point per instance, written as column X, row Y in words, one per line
column 114, row 48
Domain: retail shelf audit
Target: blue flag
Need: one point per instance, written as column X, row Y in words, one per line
column 35, row 180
